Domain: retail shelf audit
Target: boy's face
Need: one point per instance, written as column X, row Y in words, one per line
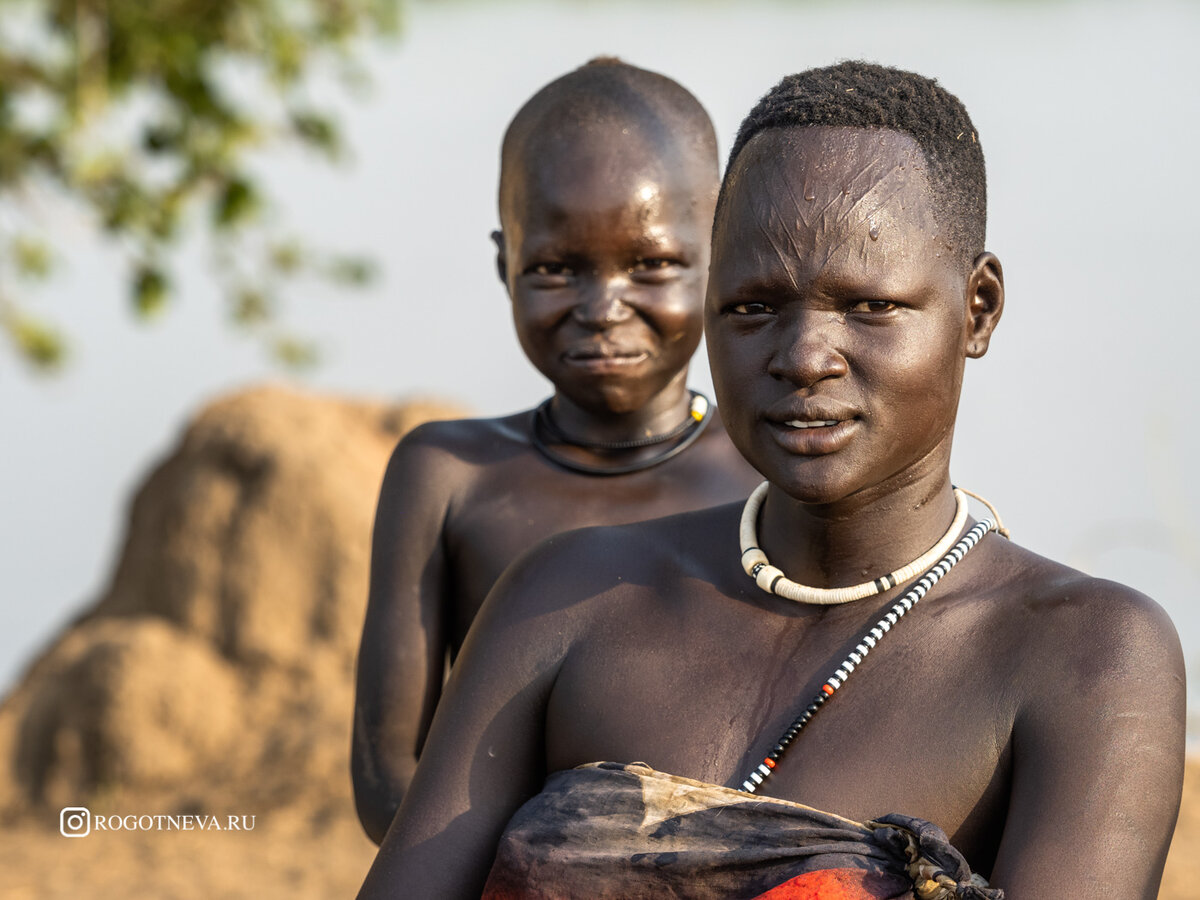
column 837, row 318
column 604, row 253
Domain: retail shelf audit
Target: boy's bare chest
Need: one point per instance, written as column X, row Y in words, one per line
column 509, row 513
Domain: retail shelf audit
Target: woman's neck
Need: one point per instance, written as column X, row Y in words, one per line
column 857, row 538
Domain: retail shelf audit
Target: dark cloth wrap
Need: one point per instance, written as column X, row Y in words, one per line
column 607, row 831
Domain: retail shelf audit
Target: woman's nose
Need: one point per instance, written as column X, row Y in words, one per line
column 808, row 351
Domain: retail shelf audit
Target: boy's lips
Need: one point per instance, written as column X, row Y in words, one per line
column 602, row 357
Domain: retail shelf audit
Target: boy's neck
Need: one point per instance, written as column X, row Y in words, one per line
column 662, row 413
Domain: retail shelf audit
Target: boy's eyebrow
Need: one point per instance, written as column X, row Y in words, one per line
column 660, row 238
column 657, row 238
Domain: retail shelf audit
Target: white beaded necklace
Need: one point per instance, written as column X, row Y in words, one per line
column 905, row 604
column 773, row 581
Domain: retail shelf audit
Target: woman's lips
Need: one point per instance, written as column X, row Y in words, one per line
column 813, row 437
column 797, row 423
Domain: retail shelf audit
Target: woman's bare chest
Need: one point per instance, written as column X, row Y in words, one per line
column 919, row 727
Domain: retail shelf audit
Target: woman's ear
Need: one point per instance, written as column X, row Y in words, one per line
column 985, row 303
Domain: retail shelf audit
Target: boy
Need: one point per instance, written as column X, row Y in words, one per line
column 1034, row 713
column 608, row 180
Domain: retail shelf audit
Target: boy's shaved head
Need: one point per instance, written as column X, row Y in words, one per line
column 608, row 183
column 655, row 112
column 857, row 94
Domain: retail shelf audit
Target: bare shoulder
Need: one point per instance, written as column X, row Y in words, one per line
column 1073, row 631
column 450, row 453
column 1094, row 673
column 1093, row 610
column 469, row 441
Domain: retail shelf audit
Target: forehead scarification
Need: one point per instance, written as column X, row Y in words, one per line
column 858, row 94
column 817, row 192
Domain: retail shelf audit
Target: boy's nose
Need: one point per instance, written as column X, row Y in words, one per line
column 602, row 304
column 808, row 351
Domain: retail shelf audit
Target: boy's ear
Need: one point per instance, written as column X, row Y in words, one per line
column 501, row 259
column 985, row 303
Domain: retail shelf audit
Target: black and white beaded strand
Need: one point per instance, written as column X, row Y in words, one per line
column 869, row 640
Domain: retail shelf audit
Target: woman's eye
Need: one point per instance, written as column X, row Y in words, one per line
column 750, row 309
column 874, row 306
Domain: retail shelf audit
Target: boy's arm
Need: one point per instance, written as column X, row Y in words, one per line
column 486, row 750
column 401, row 657
column 1097, row 750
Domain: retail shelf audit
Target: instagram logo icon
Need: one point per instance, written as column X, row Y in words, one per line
column 74, row 821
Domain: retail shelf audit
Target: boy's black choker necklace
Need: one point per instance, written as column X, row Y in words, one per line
column 697, row 413
column 545, row 428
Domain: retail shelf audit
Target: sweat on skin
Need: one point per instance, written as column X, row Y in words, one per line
column 608, row 182
column 1004, row 708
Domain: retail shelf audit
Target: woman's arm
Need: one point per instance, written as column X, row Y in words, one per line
column 1098, row 750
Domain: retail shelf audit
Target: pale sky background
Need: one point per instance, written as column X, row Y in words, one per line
column 1079, row 424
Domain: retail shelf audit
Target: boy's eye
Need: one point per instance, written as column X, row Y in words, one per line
column 643, row 265
column 548, row 275
column 750, row 309
column 548, row 268
column 654, row 269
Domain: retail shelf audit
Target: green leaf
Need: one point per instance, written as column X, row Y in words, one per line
column 287, row 52
column 354, row 271
column 32, row 257
column 386, row 16
column 317, row 131
column 237, row 202
column 159, row 139
column 287, row 257
column 179, row 65
column 295, row 353
column 150, row 291
column 37, row 342
column 251, row 306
